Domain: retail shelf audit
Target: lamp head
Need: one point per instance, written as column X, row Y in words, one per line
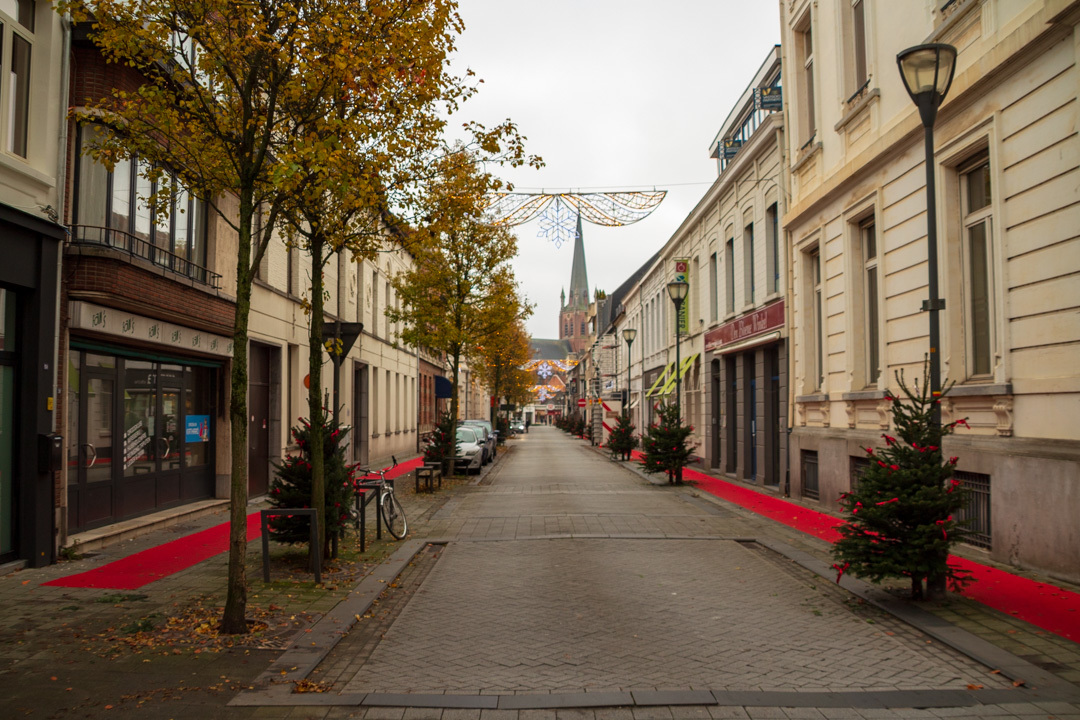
column 629, row 334
column 677, row 290
column 927, row 72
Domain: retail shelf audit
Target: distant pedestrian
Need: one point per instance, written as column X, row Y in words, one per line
column 528, row 422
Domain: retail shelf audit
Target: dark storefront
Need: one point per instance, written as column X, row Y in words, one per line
column 142, row 429
column 28, row 302
column 748, row 395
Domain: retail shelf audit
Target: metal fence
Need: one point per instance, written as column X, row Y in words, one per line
column 94, row 236
column 810, row 474
column 859, row 466
column 976, row 507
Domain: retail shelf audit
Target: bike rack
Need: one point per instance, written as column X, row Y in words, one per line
column 316, row 541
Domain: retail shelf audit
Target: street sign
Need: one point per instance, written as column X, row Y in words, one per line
column 581, row 402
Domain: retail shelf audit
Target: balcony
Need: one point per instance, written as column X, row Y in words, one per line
column 92, row 236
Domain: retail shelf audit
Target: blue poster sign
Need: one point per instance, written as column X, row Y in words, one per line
column 197, row 428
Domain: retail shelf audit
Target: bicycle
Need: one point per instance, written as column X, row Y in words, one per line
column 389, row 507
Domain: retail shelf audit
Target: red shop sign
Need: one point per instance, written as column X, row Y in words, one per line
column 760, row 321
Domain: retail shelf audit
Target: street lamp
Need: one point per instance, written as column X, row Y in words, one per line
column 628, row 335
column 927, row 71
column 677, row 290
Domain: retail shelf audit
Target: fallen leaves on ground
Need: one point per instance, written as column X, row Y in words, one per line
column 194, row 628
column 310, row 686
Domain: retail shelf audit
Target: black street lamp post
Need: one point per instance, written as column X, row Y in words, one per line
column 927, row 71
column 677, row 290
column 628, row 335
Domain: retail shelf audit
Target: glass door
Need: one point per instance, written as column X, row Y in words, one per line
column 169, row 441
column 96, row 469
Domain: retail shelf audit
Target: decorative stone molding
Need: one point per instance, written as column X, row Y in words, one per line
column 1003, row 407
column 849, row 408
column 884, row 416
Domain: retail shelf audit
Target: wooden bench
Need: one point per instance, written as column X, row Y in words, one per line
column 428, row 474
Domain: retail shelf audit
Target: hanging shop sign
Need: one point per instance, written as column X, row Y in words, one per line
column 769, row 98
column 121, row 324
column 762, row 320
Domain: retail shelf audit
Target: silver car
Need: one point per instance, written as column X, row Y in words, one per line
column 489, row 435
column 470, row 449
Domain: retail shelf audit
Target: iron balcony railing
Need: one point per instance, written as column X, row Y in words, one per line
column 96, row 236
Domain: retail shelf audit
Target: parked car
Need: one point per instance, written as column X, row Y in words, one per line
column 470, row 452
column 491, row 436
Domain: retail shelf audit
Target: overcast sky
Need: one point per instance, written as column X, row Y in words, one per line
column 614, row 95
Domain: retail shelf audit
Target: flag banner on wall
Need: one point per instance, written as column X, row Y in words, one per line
column 682, row 274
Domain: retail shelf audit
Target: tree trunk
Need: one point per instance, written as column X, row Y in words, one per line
column 233, row 619
column 315, row 404
column 916, row 587
column 455, row 371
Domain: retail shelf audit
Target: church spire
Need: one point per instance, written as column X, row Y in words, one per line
column 579, row 279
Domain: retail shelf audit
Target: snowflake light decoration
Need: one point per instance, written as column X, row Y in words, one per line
column 559, row 212
column 544, row 371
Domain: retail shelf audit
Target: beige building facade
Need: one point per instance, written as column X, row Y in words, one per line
column 1005, row 168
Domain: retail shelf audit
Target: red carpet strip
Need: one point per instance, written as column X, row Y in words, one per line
column 143, row 568
column 1045, row 605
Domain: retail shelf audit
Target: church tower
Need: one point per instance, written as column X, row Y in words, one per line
column 574, row 311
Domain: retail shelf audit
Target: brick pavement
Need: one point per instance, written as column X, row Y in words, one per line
column 551, row 501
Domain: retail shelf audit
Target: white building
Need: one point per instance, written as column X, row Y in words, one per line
column 1006, row 169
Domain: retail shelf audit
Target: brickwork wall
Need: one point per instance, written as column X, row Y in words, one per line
column 152, row 293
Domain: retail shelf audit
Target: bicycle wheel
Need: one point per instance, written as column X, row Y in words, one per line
column 393, row 515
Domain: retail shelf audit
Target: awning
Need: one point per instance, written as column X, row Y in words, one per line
column 443, row 387
column 748, row 343
column 670, row 386
column 660, row 379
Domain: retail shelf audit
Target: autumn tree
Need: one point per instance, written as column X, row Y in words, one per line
column 227, row 89
column 461, row 290
column 355, row 184
column 498, row 363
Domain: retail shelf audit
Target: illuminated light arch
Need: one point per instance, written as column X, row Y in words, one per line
column 559, row 212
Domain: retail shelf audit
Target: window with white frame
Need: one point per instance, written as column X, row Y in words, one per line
column 16, row 45
column 804, row 44
column 772, row 241
column 871, row 313
column 729, row 276
column 976, row 193
column 713, row 301
column 106, row 201
column 856, row 73
column 749, row 285
column 815, row 321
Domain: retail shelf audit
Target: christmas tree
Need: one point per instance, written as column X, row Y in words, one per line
column 664, row 446
column 291, row 486
column 904, row 506
column 621, row 439
column 441, row 450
